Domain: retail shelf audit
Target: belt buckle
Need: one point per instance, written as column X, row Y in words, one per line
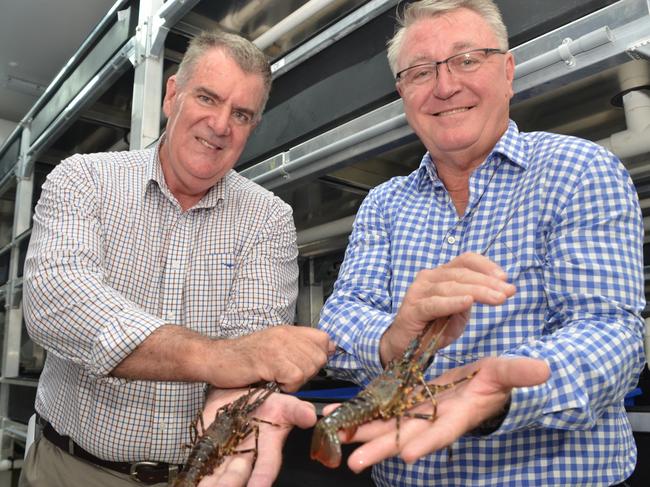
column 133, row 471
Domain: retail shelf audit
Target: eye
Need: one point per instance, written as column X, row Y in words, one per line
column 467, row 61
column 241, row 118
column 419, row 75
column 204, row 99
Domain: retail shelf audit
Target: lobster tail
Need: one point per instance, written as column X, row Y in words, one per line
column 325, row 446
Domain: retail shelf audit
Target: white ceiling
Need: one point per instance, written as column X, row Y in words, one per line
column 37, row 37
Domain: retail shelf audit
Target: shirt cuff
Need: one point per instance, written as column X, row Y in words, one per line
column 367, row 346
column 129, row 328
column 527, row 405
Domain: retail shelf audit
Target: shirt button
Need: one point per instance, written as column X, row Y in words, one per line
column 451, row 240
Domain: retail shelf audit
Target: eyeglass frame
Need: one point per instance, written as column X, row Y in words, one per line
column 487, row 50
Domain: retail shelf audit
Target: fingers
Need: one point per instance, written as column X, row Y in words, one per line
column 448, row 290
column 373, row 452
column 459, row 410
column 284, row 412
column 234, row 472
column 289, row 355
column 269, row 458
column 521, row 372
column 301, row 413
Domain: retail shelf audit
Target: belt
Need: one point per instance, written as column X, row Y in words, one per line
column 144, row 472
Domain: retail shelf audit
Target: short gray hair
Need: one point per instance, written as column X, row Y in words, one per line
column 246, row 54
column 432, row 8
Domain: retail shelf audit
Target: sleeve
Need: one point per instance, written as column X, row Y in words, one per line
column 359, row 310
column 265, row 285
column 68, row 308
column 594, row 286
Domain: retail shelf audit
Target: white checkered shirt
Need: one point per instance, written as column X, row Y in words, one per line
column 113, row 257
column 569, row 234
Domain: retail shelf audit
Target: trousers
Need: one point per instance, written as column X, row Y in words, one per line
column 48, row 466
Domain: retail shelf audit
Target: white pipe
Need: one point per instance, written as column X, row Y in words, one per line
column 326, row 230
column 635, row 140
column 565, row 52
column 290, row 22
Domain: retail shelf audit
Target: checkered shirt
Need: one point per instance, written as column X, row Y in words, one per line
column 113, row 257
column 561, row 216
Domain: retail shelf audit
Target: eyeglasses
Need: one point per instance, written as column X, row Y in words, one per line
column 458, row 64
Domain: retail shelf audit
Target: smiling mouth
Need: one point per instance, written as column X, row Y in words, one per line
column 207, row 144
column 453, row 111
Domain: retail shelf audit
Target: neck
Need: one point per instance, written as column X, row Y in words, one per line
column 457, row 185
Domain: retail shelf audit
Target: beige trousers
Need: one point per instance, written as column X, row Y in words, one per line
column 48, row 466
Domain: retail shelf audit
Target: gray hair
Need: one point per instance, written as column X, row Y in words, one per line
column 246, row 54
column 432, row 8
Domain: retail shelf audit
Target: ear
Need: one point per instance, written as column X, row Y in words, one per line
column 510, row 72
column 399, row 90
column 170, row 95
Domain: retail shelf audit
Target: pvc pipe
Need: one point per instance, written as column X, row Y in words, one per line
column 290, row 22
column 326, row 231
column 286, row 168
column 565, row 52
column 634, row 78
column 635, row 140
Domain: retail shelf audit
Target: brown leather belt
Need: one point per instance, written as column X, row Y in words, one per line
column 144, row 472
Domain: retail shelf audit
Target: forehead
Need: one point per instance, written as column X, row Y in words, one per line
column 436, row 38
column 218, row 72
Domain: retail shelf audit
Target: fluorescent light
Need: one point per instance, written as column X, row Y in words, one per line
column 23, row 86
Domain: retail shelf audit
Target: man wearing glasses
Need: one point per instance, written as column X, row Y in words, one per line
column 530, row 242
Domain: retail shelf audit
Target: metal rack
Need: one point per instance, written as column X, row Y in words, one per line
column 333, row 129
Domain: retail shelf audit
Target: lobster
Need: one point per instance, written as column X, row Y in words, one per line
column 389, row 395
column 231, row 425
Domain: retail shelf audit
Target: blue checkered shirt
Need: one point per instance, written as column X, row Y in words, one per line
column 568, row 231
column 112, row 257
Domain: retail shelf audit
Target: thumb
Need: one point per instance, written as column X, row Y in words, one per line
column 522, row 372
column 301, row 413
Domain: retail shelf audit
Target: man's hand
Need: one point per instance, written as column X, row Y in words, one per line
column 447, row 290
column 288, row 355
column 459, row 411
column 238, row 469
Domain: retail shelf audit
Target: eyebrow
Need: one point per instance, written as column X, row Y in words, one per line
column 457, row 48
column 201, row 90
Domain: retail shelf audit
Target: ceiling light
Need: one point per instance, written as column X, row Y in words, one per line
column 23, row 86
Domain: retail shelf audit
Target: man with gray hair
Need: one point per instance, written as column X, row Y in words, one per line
column 153, row 273
column 531, row 244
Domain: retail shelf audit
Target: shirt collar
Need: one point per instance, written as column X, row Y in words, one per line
column 154, row 175
column 511, row 147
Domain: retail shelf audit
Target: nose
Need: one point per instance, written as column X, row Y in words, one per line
column 447, row 84
column 219, row 121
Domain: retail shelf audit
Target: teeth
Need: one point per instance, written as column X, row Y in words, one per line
column 453, row 112
column 207, row 144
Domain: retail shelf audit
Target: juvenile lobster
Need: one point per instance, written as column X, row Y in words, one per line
column 231, row 425
column 387, row 396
